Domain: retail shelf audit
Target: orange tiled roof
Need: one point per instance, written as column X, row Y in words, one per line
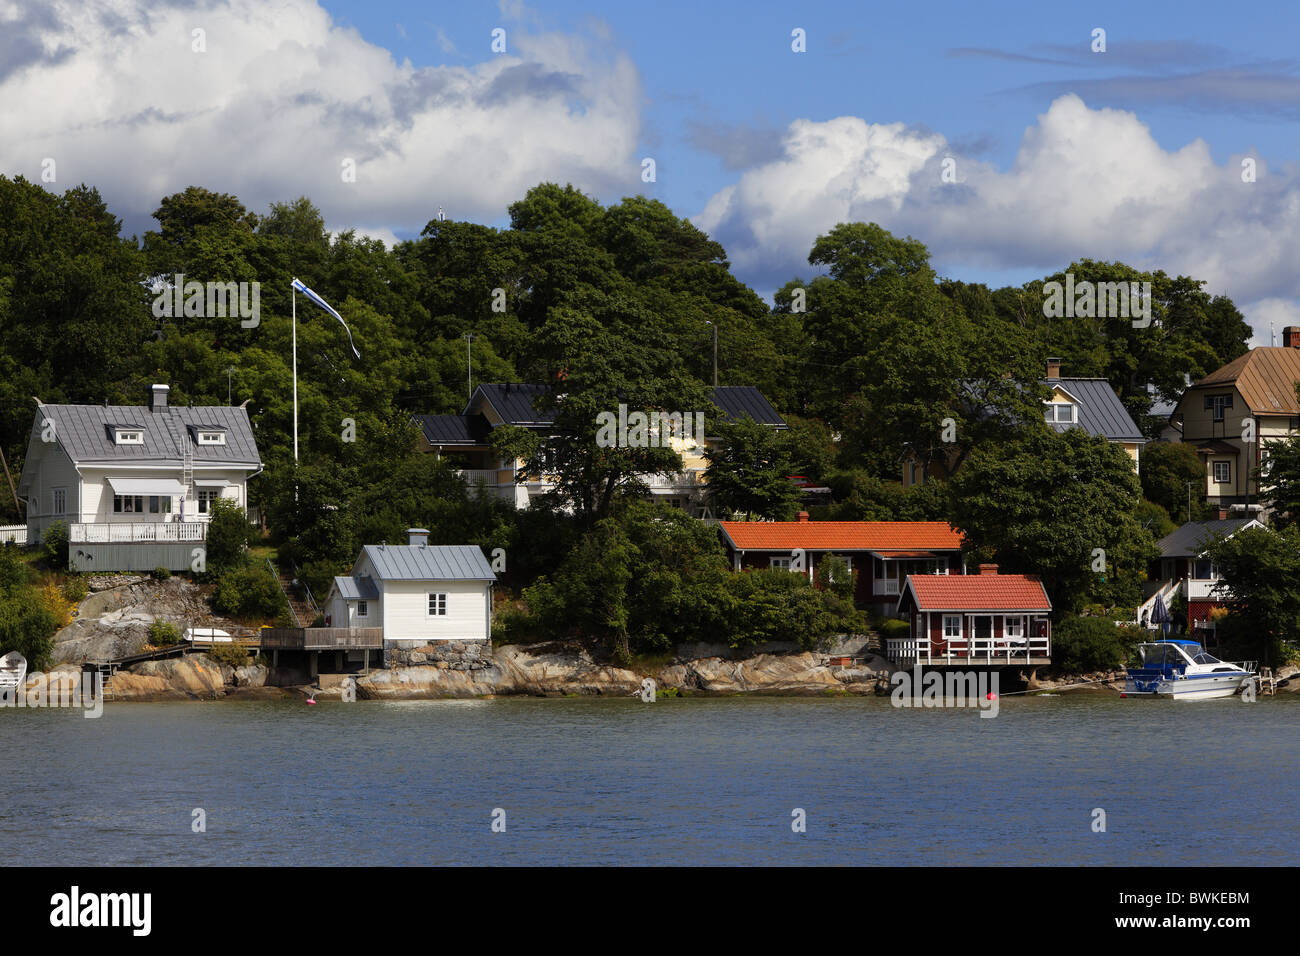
column 979, row 592
column 842, row 535
column 1265, row 376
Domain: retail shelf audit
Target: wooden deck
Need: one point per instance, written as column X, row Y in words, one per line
column 977, row 652
column 322, row 638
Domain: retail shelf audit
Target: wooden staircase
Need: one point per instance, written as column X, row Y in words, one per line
column 302, row 612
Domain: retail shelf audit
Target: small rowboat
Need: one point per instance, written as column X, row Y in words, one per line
column 13, row 669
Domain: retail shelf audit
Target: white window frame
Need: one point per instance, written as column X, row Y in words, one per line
column 1054, row 415
column 363, row 609
column 1227, row 465
column 436, row 605
column 948, row 635
column 782, row 563
column 135, row 503
column 1013, row 627
column 128, row 436
column 205, row 497
column 211, row 438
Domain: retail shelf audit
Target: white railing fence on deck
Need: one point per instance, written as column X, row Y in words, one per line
column 141, row 531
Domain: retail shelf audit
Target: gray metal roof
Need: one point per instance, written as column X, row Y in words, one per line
column 86, row 433
column 1100, row 410
column 737, row 400
column 454, row 429
column 433, row 562
column 357, row 589
column 514, row 403
column 1193, row 538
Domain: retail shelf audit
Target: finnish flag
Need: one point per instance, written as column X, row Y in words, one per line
column 299, row 287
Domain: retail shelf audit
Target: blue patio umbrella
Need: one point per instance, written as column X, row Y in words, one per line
column 1160, row 614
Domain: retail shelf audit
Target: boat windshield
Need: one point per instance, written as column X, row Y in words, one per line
column 1201, row 656
column 1161, row 655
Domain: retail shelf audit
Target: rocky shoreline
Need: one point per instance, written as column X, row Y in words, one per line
column 114, row 622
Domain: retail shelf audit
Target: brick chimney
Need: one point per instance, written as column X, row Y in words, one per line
column 1291, row 337
column 158, row 397
column 803, row 516
column 988, row 569
column 417, row 537
column 1053, row 368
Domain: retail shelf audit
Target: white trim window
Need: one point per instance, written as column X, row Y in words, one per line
column 1014, row 628
column 1062, row 413
column 128, row 504
column 1223, row 472
column 212, row 438
column 205, row 497
column 781, row 564
column 437, row 605
column 128, row 436
column 951, row 627
column 363, row 609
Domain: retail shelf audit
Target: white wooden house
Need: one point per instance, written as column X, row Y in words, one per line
column 134, row 484
column 417, row 593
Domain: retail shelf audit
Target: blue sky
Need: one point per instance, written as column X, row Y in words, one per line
column 1060, row 152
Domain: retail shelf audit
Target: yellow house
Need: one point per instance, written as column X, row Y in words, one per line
column 465, row 438
column 1087, row 403
column 1232, row 415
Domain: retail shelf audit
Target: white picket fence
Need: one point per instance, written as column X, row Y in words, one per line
column 13, row 533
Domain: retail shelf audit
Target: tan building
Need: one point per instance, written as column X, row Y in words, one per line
column 1232, row 415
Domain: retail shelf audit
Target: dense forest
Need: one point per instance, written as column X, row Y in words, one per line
column 608, row 304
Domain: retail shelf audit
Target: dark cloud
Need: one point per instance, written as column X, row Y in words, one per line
column 739, row 147
column 529, row 79
column 1240, row 92
column 20, row 41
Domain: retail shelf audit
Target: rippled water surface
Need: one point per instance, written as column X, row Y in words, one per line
column 713, row 781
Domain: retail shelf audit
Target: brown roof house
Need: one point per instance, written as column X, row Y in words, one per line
column 1232, row 415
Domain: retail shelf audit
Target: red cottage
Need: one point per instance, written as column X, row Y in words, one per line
column 977, row 619
column 883, row 553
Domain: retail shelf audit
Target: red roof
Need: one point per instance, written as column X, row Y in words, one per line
column 842, row 535
column 978, row 592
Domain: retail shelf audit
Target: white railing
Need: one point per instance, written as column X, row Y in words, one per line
column 143, row 531
column 15, row 533
column 1165, row 592
column 1206, row 591
column 961, row 650
column 473, row 476
column 886, row 585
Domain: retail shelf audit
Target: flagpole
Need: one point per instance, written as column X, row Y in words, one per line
column 294, row 294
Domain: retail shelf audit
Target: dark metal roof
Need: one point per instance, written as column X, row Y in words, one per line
column 1193, row 538
column 357, row 589
column 513, row 403
column 432, row 562
column 1100, row 410
column 86, row 433
column 454, row 429
column 737, row 400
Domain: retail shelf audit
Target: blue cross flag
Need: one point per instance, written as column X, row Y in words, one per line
column 299, row 287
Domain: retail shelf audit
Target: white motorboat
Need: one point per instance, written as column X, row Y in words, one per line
column 1184, row 670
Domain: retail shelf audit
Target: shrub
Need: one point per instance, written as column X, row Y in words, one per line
column 28, row 628
column 228, row 535
column 163, row 634
column 50, row 597
column 54, row 545
column 161, row 574
column 229, row 655
column 892, row 627
column 74, row 589
column 248, row 591
column 1092, row 643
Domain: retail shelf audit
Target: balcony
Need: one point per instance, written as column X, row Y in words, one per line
column 143, row 532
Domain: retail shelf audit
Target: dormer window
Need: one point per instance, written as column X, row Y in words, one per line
column 211, row 437
column 1062, row 413
column 128, row 436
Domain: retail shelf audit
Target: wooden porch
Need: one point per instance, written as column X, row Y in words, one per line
column 322, row 638
column 971, row 652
